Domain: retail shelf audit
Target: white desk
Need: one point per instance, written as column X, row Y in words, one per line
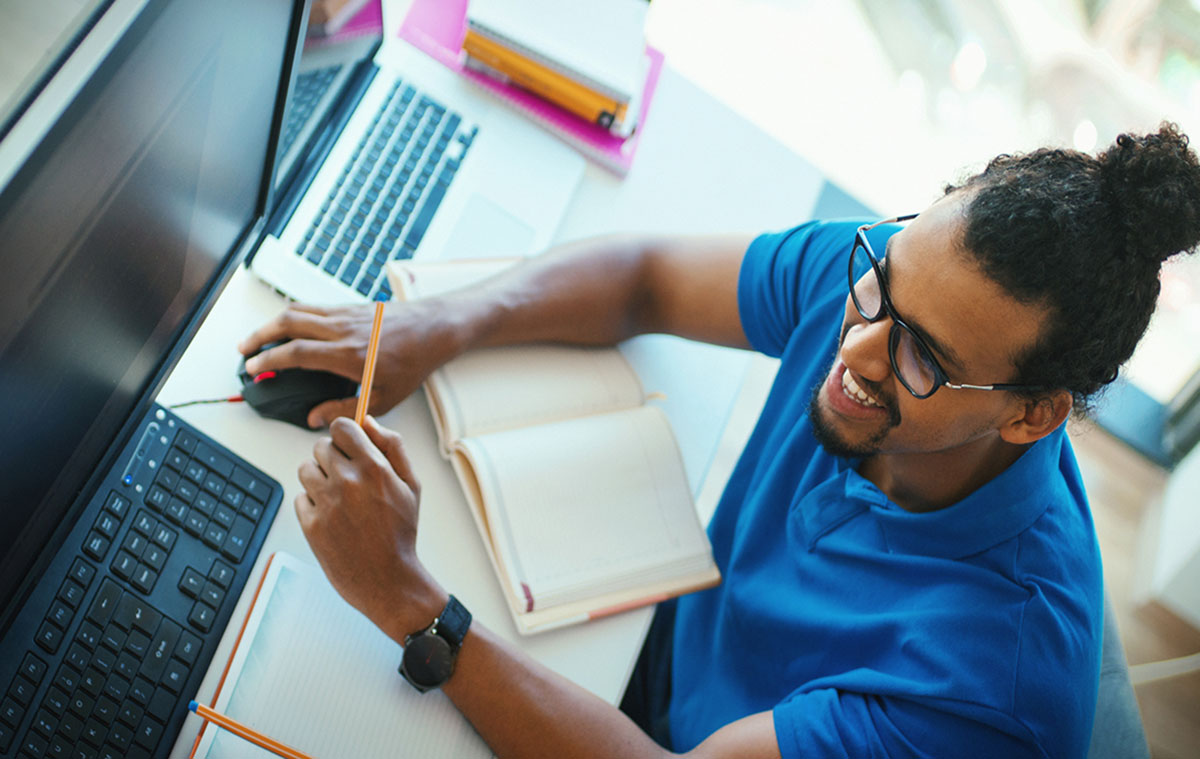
column 700, row 169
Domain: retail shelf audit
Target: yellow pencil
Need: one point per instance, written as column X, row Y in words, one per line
column 364, row 392
column 249, row 733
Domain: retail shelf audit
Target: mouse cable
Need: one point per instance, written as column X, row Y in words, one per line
column 230, row 399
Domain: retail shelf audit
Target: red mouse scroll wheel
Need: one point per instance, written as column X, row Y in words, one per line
column 264, row 376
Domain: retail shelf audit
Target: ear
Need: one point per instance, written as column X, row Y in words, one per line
column 1037, row 417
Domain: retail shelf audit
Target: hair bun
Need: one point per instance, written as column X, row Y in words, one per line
column 1152, row 183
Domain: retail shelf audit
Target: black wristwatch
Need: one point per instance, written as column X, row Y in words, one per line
column 429, row 654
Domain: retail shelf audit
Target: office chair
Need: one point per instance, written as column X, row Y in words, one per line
column 1117, row 731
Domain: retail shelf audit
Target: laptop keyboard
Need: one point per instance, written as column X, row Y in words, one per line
column 388, row 191
column 135, row 617
column 310, row 87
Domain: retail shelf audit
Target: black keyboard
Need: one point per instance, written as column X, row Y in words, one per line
column 310, row 88
column 115, row 639
column 388, row 190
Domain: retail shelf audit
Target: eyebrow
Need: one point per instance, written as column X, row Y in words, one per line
column 946, row 352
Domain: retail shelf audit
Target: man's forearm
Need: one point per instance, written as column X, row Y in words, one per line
column 603, row 290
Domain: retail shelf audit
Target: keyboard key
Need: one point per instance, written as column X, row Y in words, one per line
column 45, row 723
column 144, row 578
column 188, row 648
column 130, row 713
column 114, row 638
column 106, row 710
column 141, row 691
column 191, row 583
column 77, row 656
column 34, row 745
column 196, row 524
column 176, row 511
column 96, row 545
column 6, row 737
column 186, row 441
column 116, row 688
column 104, row 660
column 214, row 535
column 60, row 614
column 157, row 498
column 82, row 704
column 94, row 732
column 71, row 727
column 11, row 712
column 33, row 668
column 239, row 539
column 167, row 479
column 177, row 459
column 205, row 503
column 233, row 496
column 117, row 504
column 21, row 690
column 124, row 565
column 164, row 536
column 213, row 460
column 155, row 557
column 138, row 644
column 107, row 525
column 56, row 700
column 224, row 516
column 188, row 491
column 89, row 635
column 252, row 509
column 202, row 617
column 175, row 675
column 195, row 472
column 148, row 733
column 91, row 682
column 127, row 665
column 144, row 523
column 161, row 649
column 221, row 573
column 134, row 613
column 214, row 484
column 212, row 595
column 71, row 593
column 105, row 602
column 49, row 637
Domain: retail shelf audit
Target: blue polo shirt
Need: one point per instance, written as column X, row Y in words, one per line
column 870, row 631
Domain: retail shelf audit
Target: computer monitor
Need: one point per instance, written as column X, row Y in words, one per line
column 119, row 222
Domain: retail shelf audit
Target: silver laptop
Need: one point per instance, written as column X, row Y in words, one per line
column 386, row 154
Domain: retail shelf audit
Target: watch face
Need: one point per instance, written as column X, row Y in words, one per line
column 428, row 660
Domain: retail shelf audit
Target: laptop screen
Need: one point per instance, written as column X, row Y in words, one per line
column 115, row 232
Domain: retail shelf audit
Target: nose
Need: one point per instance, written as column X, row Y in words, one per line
column 865, row 350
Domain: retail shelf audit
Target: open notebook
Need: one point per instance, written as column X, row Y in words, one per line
column 310, row 671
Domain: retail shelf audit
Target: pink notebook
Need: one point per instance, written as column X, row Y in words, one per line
column 438, row 26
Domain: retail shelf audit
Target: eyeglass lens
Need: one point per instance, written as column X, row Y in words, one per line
column 912, row 362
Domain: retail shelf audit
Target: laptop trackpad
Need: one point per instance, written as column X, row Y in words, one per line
column 485, row 230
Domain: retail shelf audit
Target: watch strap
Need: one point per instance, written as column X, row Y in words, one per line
column 453, row 622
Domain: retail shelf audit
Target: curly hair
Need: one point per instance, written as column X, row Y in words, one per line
column 1085, row 236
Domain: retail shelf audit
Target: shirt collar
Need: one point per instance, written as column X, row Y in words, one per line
column 1000, row 510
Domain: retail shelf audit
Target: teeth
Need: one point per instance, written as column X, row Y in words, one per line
column 851, row 389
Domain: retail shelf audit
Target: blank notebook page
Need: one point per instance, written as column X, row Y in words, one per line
column 318, row 676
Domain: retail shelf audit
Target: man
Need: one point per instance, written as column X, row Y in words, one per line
column 910, row 566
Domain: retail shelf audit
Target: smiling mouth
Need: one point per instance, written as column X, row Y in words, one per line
column 856, row 393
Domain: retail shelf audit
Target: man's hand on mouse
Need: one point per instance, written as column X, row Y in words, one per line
column 359, row 514
column 335, row 340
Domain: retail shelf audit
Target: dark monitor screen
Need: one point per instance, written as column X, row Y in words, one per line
column 113, row 234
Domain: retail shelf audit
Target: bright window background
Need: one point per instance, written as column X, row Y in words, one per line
column 894, row 98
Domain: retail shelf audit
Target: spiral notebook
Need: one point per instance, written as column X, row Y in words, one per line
column 312, row 672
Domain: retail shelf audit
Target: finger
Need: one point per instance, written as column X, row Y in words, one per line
column 392, row 446
column 306, row 510
column 319, row 354
column 312, row 479
column 296, row 321
column 324, row 413
column 327, row 456
column 352, row 441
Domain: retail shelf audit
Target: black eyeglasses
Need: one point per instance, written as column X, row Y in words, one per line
column 911, row 358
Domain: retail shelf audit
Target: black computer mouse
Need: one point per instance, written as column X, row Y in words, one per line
column 289, row 394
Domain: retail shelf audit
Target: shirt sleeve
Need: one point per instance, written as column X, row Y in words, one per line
column 828, row 723
column 784, row 274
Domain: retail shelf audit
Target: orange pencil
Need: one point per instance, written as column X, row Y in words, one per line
column 364, row 392
column 248, row 733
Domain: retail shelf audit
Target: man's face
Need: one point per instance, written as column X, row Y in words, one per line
column 938, row 290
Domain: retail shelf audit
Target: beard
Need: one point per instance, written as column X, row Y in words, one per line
column 831, row 440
